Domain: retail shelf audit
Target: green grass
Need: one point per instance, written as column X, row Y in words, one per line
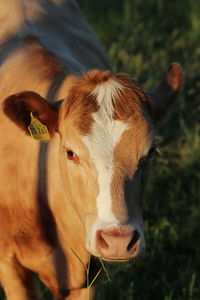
column 142, row 38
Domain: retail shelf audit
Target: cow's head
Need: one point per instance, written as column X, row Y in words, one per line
column 106, row 142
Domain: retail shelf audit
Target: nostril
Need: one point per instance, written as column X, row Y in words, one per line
column 101, row 241
column 133, row 241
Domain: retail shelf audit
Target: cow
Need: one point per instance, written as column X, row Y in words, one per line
column 71, row 189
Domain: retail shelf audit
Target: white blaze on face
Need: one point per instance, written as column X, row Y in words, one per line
column 101, row 142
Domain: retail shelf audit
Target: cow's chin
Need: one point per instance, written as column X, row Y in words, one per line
column 97, row 253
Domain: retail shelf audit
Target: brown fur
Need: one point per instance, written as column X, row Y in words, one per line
column 41, row 58
column 82, row 103
column 9, row 25
column 130, row 100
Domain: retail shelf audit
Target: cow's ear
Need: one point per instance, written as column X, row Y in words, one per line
column 166, row 92
column 21, row 106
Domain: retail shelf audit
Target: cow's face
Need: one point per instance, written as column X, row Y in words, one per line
column 107, row 141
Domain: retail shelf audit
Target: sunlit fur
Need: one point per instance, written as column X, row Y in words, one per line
column 109, row 150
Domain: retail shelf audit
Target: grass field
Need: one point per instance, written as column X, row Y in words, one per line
column 142, row 38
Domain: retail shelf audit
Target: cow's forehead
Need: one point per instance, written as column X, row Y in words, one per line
column 108, row 111
column 98, row 99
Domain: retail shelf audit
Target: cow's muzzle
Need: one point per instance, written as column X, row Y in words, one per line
column 118, row 243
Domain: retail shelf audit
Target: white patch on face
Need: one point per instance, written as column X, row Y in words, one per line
column 101, row 142
column 105, row 94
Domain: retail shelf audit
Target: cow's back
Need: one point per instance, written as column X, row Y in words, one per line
column 59, row 28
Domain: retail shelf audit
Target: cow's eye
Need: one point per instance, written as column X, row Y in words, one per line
column 146, row 159
column 151, row 152
column 72, row 156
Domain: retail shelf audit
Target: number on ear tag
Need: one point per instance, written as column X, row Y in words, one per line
column 37, row 130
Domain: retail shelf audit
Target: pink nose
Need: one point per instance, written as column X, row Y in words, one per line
column 117, row 243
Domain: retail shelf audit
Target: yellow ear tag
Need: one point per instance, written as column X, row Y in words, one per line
column 37, row 130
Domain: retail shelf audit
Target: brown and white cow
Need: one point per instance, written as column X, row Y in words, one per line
column 81, row 191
